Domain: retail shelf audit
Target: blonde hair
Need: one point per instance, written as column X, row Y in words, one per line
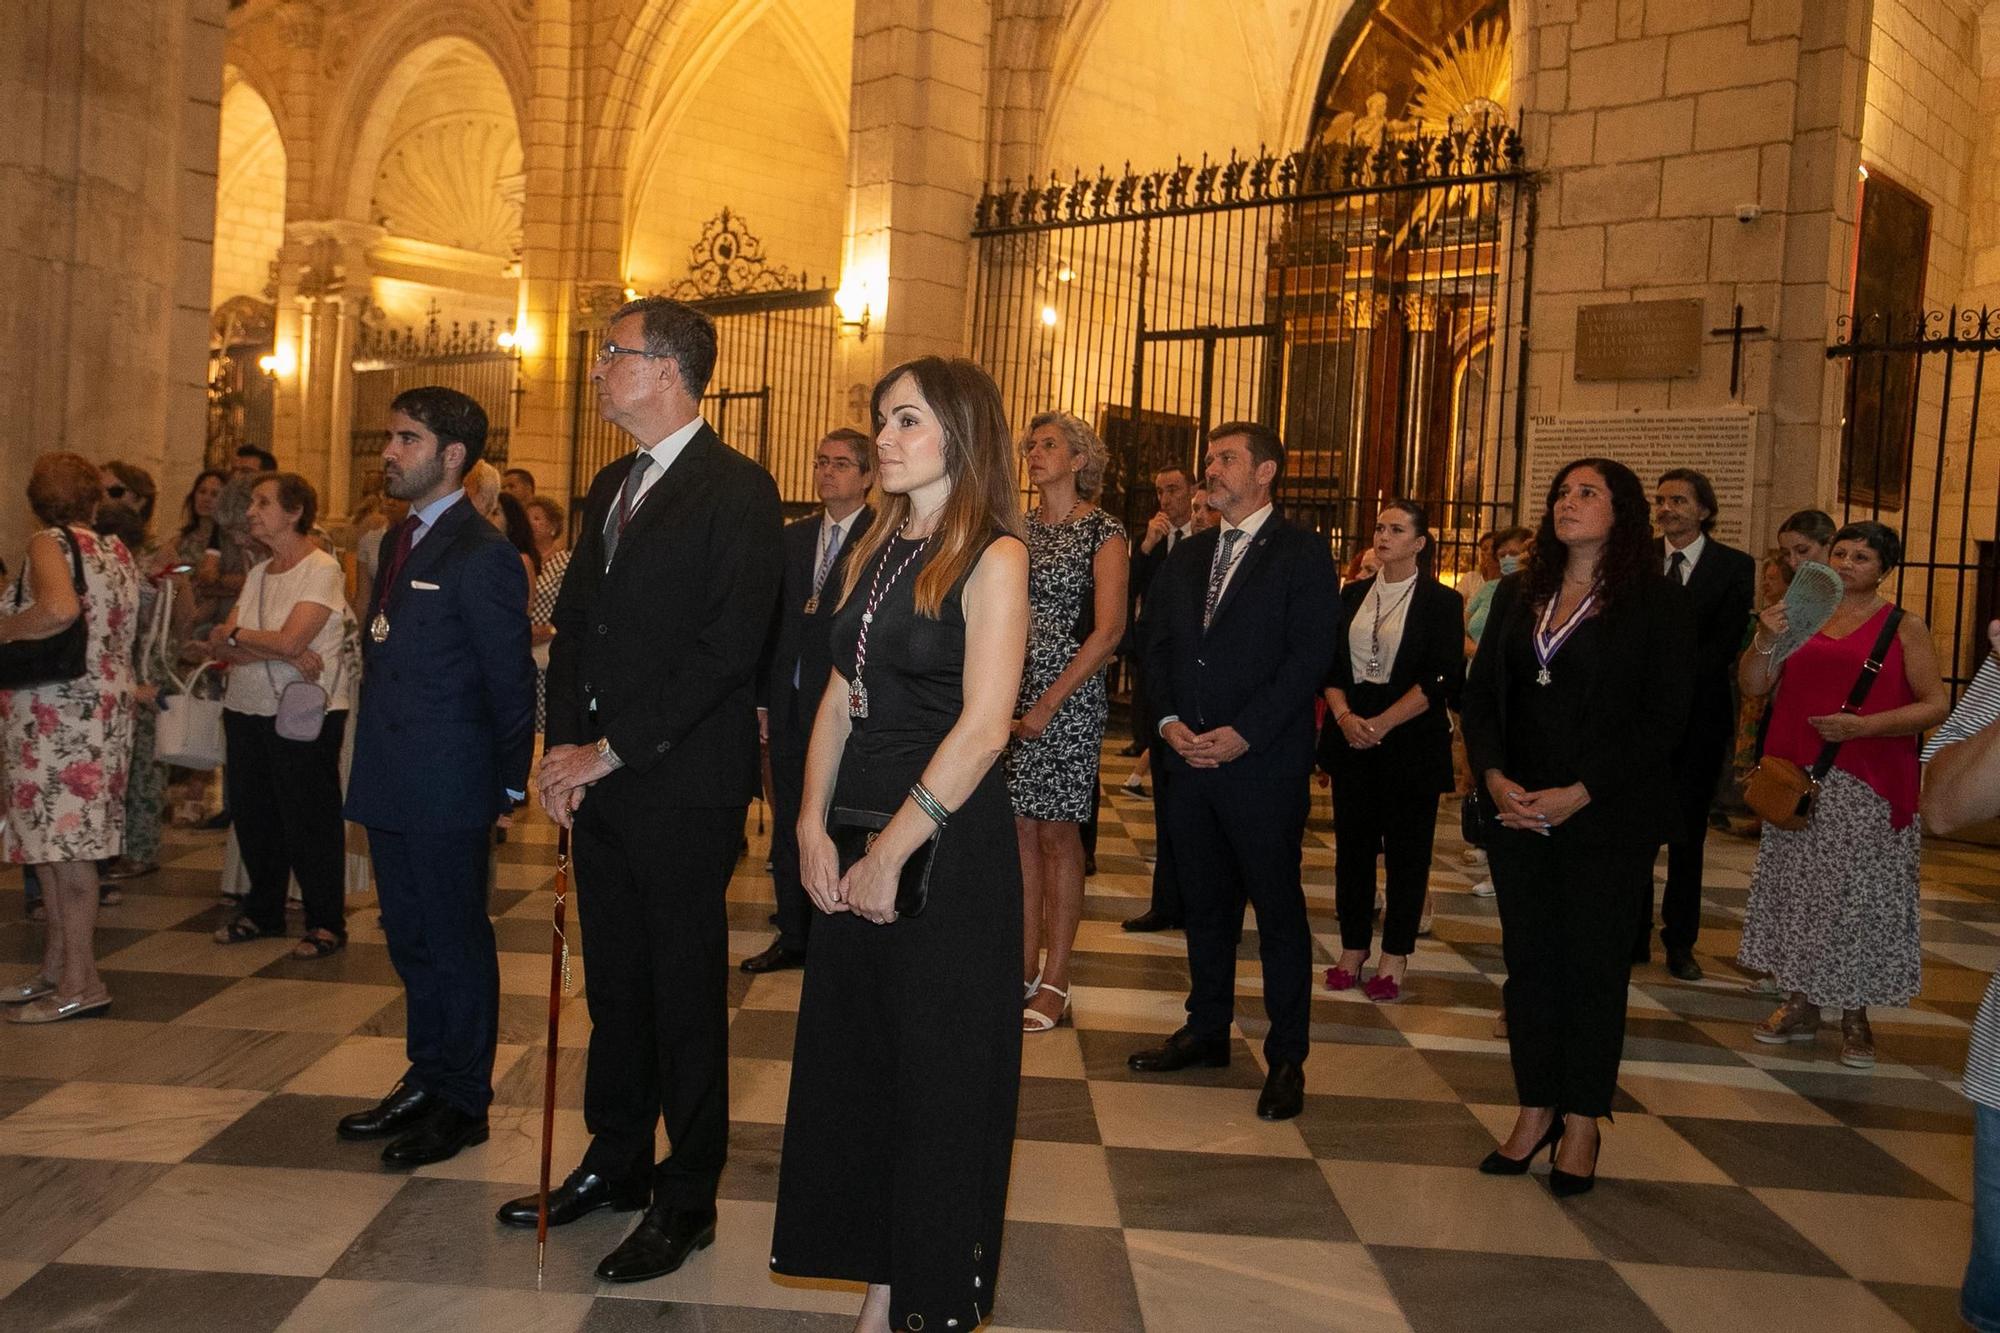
column 1083, row 443
column 977, row 460
column 482, row 487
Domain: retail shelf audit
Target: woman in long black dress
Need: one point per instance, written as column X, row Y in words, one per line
column 1578, row 693
column 900, row 1130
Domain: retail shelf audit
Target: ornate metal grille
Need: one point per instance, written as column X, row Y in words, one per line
column 468, row 358
column 1920, row 392
column 1368, row 300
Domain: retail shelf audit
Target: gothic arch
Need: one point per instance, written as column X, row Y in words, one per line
column 388, row 64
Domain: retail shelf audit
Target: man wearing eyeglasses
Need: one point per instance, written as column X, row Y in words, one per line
column 798, row 659
column 652, row 761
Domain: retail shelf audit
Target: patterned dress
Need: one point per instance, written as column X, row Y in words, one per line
column 146, row 787
column 541, row 611
column 1054, row 776
column 65, row 748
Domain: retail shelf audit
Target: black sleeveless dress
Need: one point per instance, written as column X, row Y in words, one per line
column 906, row 1071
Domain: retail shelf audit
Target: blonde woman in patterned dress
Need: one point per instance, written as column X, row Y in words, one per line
column 65, row 746
column 1077, row 570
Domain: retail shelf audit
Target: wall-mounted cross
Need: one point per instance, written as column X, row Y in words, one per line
column 1736, row 328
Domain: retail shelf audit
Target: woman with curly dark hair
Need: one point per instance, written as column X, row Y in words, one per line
column 1578, row 692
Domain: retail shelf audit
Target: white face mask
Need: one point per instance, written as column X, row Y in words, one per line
column 1510, row 564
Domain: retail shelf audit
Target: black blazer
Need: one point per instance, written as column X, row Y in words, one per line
column 1259, row 665
column 1723, row 591
column 446, row 725
column 800, row 640
column 1632, row 717
column 1430, row 657
column 667, row 640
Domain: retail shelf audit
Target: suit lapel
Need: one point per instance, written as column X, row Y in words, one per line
column 673, row 491
column 422, row 557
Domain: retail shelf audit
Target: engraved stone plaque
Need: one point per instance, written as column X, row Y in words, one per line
column 1639, row 340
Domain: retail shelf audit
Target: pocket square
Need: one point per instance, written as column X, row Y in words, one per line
column 426, row 587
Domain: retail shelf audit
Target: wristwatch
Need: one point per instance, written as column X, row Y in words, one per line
column 607, row 754
column 234, row 630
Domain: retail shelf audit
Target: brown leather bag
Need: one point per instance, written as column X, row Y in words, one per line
column 1779, row 790
column 1782, row 793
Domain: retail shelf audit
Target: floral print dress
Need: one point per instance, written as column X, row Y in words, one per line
column 66, row 748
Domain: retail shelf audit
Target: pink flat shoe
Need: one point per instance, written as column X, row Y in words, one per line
column 1383, row 990
column 1339, row 978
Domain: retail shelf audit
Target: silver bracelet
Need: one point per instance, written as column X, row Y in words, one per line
column 930, row 805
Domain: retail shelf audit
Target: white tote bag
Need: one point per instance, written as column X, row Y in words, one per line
column 189, row 731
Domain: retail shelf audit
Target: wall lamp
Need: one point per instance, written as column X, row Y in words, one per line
column 852, row 303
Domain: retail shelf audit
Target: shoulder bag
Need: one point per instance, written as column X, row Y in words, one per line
column 301, row 703
column 59, row 657
column 854, row 832
column 1779, row 790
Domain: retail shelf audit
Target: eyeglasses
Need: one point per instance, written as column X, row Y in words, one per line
column 116, row 492
column 837, row 464
column 612, row 349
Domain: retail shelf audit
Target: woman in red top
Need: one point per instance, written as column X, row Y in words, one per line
column 1833, row 907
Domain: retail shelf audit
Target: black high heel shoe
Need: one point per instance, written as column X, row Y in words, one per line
column 1497, row 1163
column 1563, row 1184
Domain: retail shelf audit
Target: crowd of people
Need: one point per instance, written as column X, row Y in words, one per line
column 921, row 667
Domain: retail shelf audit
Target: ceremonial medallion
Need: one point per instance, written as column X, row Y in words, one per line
column 378, row 628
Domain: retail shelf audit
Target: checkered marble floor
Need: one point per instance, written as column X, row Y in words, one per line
column 174, row 1166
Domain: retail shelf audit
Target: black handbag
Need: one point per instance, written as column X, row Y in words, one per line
column 854, row 832
column 1472, row 820
column 59, row 657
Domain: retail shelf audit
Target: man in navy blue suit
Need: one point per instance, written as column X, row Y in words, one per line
column 442, row 748
column 1238, row 633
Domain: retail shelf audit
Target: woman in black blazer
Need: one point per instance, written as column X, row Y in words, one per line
column 1578, row 693
column 1387, row 743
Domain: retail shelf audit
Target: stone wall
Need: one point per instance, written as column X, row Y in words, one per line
column 107, row 212
column 250, row 197
column 1654, row 121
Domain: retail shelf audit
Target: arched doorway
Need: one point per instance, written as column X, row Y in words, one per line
column 249, row 231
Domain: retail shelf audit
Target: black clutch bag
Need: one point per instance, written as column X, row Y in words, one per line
column 61, row 656
column 854, row 832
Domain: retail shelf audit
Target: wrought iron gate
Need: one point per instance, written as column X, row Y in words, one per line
column 1921, row 400
column 469, row 359
column 1368, row 300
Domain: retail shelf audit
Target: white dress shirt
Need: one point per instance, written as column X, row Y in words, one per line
column 1692, row 551
column 1390, row 601
column 827, row 526
column 664, row 453
column 1249, row 525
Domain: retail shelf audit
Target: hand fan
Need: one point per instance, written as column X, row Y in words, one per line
column 1810, row 602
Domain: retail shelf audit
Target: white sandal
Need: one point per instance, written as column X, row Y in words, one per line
column 1028, row 988
column 1034, row 1020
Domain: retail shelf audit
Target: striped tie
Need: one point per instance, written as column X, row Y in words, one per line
column 1218, row 573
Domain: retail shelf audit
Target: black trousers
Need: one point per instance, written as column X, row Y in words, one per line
column 788, row 780
column 1166, row 868
column 1565, row 920
column 650, row 886
column 1242, row 840
column 432, row 887
column 285, row 800
column 1697, row 770
column 1377, row 811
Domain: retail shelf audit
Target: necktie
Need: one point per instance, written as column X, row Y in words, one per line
column 826, row 560
column 1678, row 567
column 406, row 533
column 1218, row 572
column 1173, row 535
column 628, row 497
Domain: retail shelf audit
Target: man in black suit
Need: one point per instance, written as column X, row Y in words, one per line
column 798, row 659
column 652, row 759
column 1721, row 584
column 442, row 745
column 1164, row 533
column 1240, row 629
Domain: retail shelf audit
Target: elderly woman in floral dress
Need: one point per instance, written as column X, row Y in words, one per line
column 65, row 746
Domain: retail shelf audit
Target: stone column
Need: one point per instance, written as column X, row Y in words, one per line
column 323, row 289
column 916, row 145
column 107, row 185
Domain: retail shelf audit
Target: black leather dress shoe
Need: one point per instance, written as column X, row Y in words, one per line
column 400, row 1110
column 1134, row 750
column 1150, row 920
column 1681, row 963
column 441, row 1134
column 1284, row 1094
column 1183, row 1050
column 661, row 1242
column 774, row 959
column 582, row 1193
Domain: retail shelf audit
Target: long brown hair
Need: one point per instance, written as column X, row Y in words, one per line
column 979, row 460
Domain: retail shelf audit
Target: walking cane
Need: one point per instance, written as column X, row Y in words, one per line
column 558, row 987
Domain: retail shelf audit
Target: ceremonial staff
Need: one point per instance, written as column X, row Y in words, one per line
column 558, row 987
